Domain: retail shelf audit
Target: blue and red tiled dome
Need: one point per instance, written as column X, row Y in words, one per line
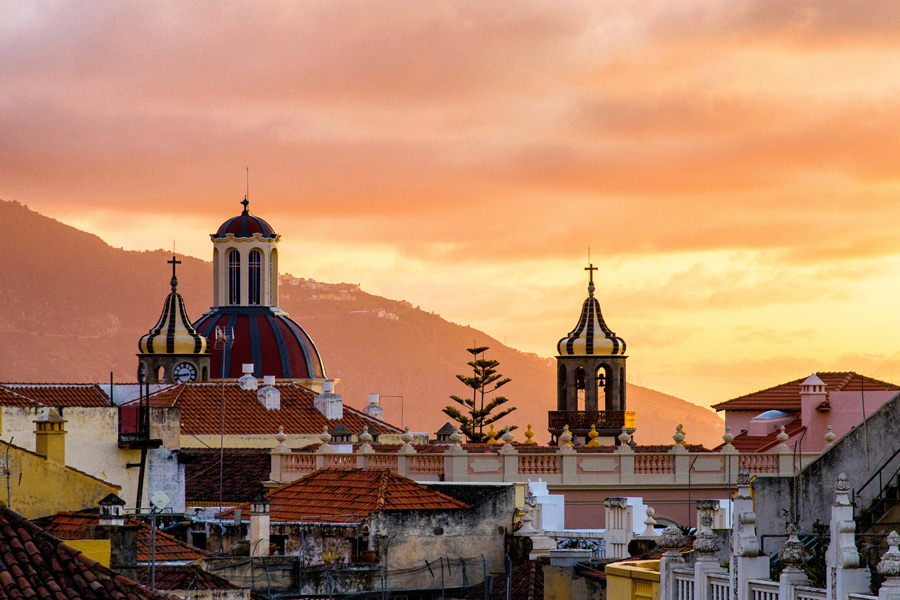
column 266, row 337
column 245, row 225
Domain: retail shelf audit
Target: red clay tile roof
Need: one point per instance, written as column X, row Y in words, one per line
column 786, row 396
column 201, row 411
column 184, row 577
column 349, row 495
column 73, row 526
column 243, row 472
column 744, row 443
column 52, row 394
column 37, row 565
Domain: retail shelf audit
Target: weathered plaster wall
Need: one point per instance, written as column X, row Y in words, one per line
column 166, row 474
column 38, row 488
column 414, row 537
column 92, row 441
column 858, row 454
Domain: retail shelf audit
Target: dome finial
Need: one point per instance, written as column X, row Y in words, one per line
column 591, row 268
column 246, row 203
column 173, row 262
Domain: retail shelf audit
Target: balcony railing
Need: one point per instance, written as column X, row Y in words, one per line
column 581, row 420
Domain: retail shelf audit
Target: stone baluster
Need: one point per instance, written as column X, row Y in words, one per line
column 829, row 439
column 746, row 563
column 650, row 532
column 785, row 455
column 365, row 449
column 706, row 544
column 276, row 472
column 793, row 554
column 618, row 527
column 456, row 459
column 671, row 542
column 510, row 457
column 844, row 575
column 889, row 567
column 324, row 449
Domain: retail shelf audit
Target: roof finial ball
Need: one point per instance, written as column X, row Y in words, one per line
column 246, row 204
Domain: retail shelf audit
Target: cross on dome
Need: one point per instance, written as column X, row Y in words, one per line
column 591, row 268
column 173, row 262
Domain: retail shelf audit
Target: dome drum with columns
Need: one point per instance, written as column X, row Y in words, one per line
column 591, row 377
column 252, row 328
column 173, row 351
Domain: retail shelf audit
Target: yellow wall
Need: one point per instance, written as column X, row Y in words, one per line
column 38, row 488
column 99, row 550
column 633, row 580
column 92, row 441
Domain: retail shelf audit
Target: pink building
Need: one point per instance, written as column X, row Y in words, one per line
column 806, row 408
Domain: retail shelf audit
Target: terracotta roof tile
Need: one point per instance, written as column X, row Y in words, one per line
column 73, row 526
column 37, row 565
column 760, row 443
column 243, row 472
column 786, row 396
column 184, row 577
column 339, row 496
column 201, row 410
column 52, row 394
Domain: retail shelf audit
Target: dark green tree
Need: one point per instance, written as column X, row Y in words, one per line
column 483, row 381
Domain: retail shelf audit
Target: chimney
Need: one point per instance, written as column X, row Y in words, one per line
column 247, row 381
column 50, row 436
column 269, row 396
column 373, row 408
column 259, row 526
column 112, row 511
column 328, row 403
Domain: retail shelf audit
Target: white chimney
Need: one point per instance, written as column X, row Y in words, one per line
column 373, row 408
column 269, row 395
column 328, row 403
column 247, row 380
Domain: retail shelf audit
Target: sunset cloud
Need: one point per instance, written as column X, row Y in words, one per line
column 726, row 163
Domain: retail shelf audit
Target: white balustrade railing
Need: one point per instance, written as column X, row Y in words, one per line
column 556, row 466
column 718, row 586
column 763, row 590
column 684, row 584
column 809, row 593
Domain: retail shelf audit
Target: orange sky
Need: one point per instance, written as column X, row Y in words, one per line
column 733, row 166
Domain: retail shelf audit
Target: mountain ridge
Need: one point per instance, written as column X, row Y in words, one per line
column 74, row 308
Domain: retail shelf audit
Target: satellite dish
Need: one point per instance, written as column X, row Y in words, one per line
column 159, row 500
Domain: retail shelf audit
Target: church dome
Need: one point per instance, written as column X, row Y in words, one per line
column 591, row 336
column 245, row 225
column 173, row 334
column 264, row 336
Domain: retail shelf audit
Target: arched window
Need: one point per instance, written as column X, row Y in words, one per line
column 255, row 280
column 579, row 388
column 604, row 398
column 216, row 293
column 234, row 277
column 561, row 388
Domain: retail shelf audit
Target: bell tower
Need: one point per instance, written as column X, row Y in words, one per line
column 173, row 351
column 590, row 367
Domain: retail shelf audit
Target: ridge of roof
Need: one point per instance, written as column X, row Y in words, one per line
column 349, row 495
column 786, row 396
